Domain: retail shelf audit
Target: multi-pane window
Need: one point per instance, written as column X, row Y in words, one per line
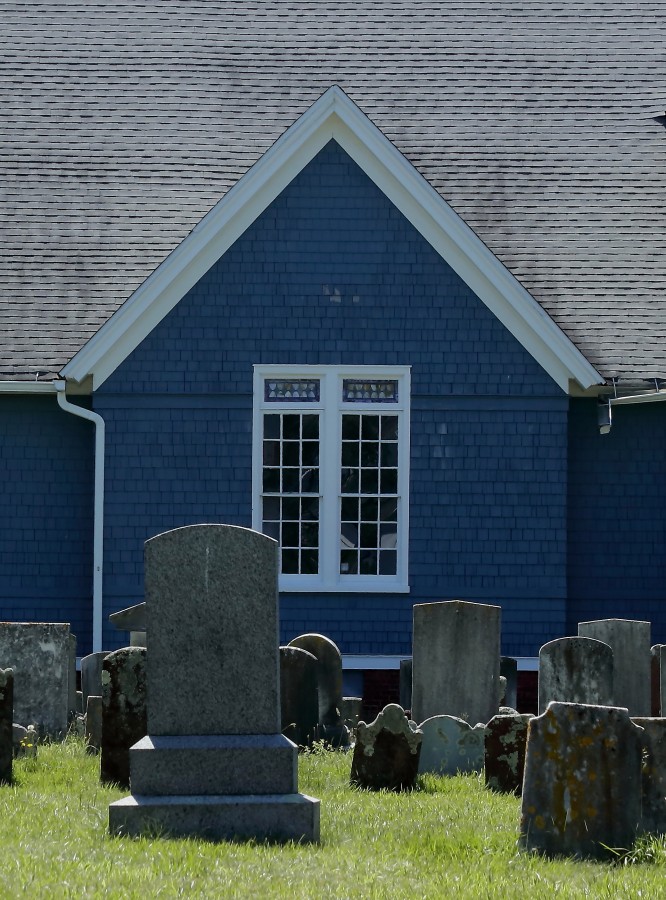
column 331, row 457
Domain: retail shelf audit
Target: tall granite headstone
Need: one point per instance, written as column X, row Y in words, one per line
column 582, row 783
column 456, row 661
column 124, row 711
column 40, row 653
column 630, row 641
column 214, row 763
column 299, row 698
column 329, row 685
column 575, row 670
column 6, row 720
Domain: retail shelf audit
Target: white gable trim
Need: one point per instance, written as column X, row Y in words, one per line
column 333, row 116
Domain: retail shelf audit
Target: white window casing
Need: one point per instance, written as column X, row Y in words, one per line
column 356, row 556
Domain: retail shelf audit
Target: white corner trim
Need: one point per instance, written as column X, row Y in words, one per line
column 27, row 387
column 333, row 116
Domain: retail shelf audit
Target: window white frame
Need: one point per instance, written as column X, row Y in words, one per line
column 330, row 408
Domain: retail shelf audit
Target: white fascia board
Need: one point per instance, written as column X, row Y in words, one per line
column 652, row 397
column 333, row 116
column 27, row 387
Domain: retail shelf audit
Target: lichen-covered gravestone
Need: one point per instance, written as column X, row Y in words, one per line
column 214, row 763
column 653, row 775
column 40, row 653
column 451, row 746
column 299, row 703
column 6, row 720
column 329, row 685
column 629, row 640
column 582, row 784
column 456, row 661
column 124, row 714
column 575, row 670
column 505, row 746
column 386, row 754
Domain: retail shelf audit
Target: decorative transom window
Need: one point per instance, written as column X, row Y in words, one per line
column 331, row 474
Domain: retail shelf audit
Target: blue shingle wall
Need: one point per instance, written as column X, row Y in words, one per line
column 46, row 491
column 332, row 273
column 617, row 528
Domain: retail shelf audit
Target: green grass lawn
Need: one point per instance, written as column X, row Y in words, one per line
column 452, row 838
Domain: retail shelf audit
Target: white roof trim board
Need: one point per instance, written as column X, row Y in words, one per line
column 333, row 116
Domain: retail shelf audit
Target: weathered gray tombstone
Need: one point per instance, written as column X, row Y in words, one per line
column 451, row 746
column 91, row 675
column 329, row 685
column 299, row 699
column 630, row 642
column 505, row 747
column 575, row 670
column 653, row 774
column 509, row 670
column 124, row 716
column 582, row 783
column 40, row 655
column 456, row 660
column 93, row 724
column 350, row 710
column 132, row 619
column 6, row 722
column 386, row 753
column 24, row 740
column 204, row 769
column 406, row 683
column 657, row 679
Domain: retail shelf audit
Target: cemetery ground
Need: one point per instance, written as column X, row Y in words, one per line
column 450, row 838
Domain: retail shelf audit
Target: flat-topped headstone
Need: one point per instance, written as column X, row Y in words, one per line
column 505, row 747
column 6, row 723
column 91, row 675
column 386, row 753
column 456, row 661
column 133, row 618
column 575, row 670
column 451, row 746
column 329, row 684
column 213, row 763
column 299, row 698
column 653, row 774
column 582, row 783
column 629, row 640
column 124, row 714
column 40, row 653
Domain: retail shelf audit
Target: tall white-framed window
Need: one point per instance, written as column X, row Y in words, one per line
column 330, row 474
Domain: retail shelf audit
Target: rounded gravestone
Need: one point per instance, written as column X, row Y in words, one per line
column 299, row 703
column 575, row 670
column 329, row 685
column 124, row 717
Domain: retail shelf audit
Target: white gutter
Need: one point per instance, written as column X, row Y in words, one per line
column 98, row 526
column 27, row 387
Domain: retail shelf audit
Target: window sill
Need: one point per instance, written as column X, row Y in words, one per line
column 356, row 586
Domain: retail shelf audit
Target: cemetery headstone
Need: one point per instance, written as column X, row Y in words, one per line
column 653, row 775
column 387, row 751
column 582, row 783
column 575, row 670
column 406, row 683
column 299, row 698
column 350, row 710
column 657, row 679
column 124, row 715
column 132, row 619
column 630, row 643
column 204, row 768
column 71, row 679
column 505, row 747
column 6, row 722
column 456, row 660
column 93, row 724
column 451, row 746
column 41, row 656
column 509, row 671
column 91, row 675
column 329, row 685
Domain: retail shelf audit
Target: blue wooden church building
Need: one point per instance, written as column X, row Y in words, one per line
column 387, row 291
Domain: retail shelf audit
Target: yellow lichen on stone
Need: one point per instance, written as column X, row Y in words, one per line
column 539, row 822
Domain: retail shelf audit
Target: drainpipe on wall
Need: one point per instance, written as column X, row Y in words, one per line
column 98, row 526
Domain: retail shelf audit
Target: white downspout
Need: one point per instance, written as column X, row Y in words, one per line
column 98, row 526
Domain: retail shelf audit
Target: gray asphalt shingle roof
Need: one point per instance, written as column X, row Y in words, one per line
column 124, row 123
